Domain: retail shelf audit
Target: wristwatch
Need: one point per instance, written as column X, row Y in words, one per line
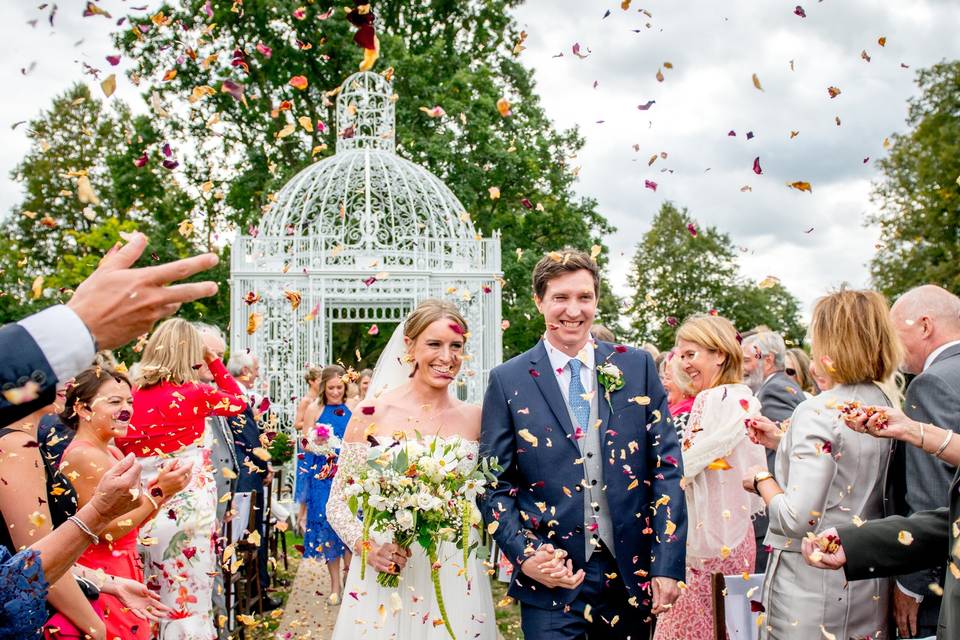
column 760, row 477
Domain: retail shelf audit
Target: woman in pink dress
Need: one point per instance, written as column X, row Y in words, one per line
column 716, row 453
column 99, row 405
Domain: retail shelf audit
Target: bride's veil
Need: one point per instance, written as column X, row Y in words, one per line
column 391, row 370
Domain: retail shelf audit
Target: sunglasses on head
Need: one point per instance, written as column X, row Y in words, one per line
column 790, row 371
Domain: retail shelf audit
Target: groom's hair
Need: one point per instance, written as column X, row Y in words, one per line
column 558, row 263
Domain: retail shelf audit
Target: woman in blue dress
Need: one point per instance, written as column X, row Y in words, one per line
column 327, row 415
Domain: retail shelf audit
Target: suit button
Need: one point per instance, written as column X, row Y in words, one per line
column 589, row 454
column 578, row 488
column 39, row 377
column 22, row 380
column 7, row 386
column 593, row 482
column 578, row 529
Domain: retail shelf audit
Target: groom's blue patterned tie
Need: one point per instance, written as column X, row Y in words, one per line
column 579, row 406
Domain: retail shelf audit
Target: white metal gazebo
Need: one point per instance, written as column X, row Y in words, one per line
column 361, row 236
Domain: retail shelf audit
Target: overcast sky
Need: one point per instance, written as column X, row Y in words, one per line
column 714, row 48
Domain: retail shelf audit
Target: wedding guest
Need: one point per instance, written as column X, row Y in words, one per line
column 26, row 575
column 764, row 357
column 171, row 406
column 218, row 437
column 330, row 415
column 827, row 475
column 797, row 366
column 927, row 322
column 680, row 391
column 365, row 377
column 602, row 333
column 254, row 473
column 720, row 535
column 312, row 378
column 99, row 405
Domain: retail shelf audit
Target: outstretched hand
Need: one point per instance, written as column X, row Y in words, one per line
column 117, row 303
column 824, row 551
column 551, row 568
column 763, row 431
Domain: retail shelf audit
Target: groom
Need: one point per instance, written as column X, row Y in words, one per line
column 588, row 505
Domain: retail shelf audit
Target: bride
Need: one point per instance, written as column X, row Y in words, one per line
column 409, row 396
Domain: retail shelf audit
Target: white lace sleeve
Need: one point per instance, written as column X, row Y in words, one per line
column 353, row 455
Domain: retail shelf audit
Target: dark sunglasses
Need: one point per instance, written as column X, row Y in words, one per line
column 790, row 371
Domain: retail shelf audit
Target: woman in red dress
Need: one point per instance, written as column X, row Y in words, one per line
column 99, row 405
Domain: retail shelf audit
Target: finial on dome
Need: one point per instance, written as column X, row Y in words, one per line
column 366, row 115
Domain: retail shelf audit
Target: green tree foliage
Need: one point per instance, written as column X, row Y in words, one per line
column 677, row 272
column 919, row 193
column 456, row 55
column 53, row 240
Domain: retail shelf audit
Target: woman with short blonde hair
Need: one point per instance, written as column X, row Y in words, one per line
column 720, row 534
column 830, row 474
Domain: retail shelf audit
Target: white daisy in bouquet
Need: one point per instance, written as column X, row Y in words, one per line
column 421, row 491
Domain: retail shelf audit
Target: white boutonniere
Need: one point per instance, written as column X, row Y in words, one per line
column 611, row 379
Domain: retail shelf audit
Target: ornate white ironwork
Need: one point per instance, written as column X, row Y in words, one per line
column 361, row 236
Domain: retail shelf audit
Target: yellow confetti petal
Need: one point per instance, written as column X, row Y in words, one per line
column 905, row 538
column 529, row 437
column 756, row 82
column 109, row 85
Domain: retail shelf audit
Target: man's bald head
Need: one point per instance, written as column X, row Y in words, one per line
column 925, row 318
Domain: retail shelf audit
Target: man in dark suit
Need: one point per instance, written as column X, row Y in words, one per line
column 779, row 395
column 110, row 308
column 876, row 549
column 254, row 473
column 927, row 321
column 588, row 505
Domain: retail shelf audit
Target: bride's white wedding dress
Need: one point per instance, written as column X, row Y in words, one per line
column 409, row 612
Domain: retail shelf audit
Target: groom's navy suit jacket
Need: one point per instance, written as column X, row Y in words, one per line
column 538, row 496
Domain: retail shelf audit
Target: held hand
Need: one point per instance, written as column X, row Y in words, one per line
column 547, row 566
column 118, row 490
column 172, row 479
column 816, row 557
column 905, row 610
column 665, row 593
column 882, row 422
column 142, row 602
column 118, row 303
column 763, row 431
column 388, row 558
column 209, row 355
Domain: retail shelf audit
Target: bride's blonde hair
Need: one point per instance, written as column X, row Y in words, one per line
column 428, row 312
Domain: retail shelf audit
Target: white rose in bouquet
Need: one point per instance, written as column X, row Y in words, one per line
column 405, row 519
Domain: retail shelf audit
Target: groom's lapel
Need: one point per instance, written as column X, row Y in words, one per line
column 546, row 380
column 602, row 352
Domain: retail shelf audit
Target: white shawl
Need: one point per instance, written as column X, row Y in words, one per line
column 718, row 509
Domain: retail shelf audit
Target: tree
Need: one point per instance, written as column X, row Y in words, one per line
column 919, row 193
column 94, row 172
column 680, row 269
column 233, row 64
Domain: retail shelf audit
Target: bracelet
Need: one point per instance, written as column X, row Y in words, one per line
column 946, row 441
column 152, row 501
column 83, row 527
column 921, row 435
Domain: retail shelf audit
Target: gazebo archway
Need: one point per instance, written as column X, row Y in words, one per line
column 361, row 236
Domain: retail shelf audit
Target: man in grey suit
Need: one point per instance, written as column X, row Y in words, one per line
column 927, row 320
column 224, row 460
column 779, row 395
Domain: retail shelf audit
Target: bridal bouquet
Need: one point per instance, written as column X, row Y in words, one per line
column 424, row 492
column 324, row 442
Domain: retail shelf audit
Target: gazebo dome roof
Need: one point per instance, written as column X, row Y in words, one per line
column 366, row 197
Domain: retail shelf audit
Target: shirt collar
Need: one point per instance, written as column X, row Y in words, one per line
column 559, row 360
column 936, row 352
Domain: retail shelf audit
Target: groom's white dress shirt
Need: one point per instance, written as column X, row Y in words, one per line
column 559, row 360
